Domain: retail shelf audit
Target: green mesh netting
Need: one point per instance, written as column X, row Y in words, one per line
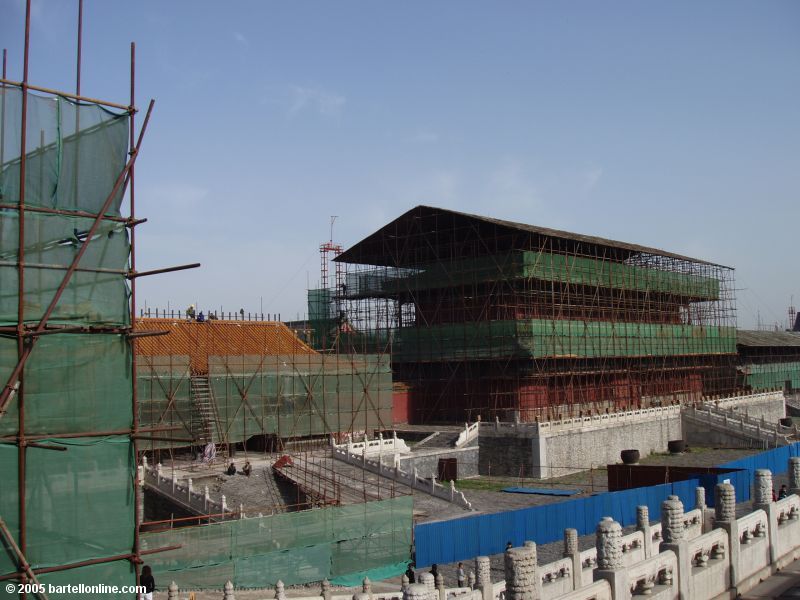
column 559, row 338
column 118, row 573
column 99, row 296
column 79, row 502
column 772, row 375
column 296, row 548
column 164, row 390
column 63, row 170
column 300, row 395
column 544, row 266
column 73, row 383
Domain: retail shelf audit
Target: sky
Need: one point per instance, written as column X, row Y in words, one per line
column 673, row 124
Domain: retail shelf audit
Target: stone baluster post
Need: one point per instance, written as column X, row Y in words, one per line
column 440, row 589
column 190, row 488
column 452, row 490
column 725, row 518
column 366, row 586
column 224, row 504
column 522, row 574
column 794, row 475
column 643, row 525
column 428, row 580
column 609, row 557
column 206, row 498
column 572, row 552
column 227, row 592
column 404, row 582
column 483, row 570
column 471, row 580
column 415, row 591
column 763, row 501
column 706, row 520
column 172, row 591
column 325, row 592
column 674, row 538
column 280, row 590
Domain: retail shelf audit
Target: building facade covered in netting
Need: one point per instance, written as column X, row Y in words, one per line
column 496, row 319
column 229, row 381
column 67, row 458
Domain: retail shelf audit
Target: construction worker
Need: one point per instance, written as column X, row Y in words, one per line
column 190, row 313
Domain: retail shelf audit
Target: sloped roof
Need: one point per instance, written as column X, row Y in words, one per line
column 218, row 338
column 767, row 339
column 364, row 252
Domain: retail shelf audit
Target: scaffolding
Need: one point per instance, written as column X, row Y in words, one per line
column 770, row 360
column 496, row 319
column 68, row 421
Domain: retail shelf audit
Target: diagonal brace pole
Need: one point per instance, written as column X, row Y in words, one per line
column 5, row 394
column 23, row 563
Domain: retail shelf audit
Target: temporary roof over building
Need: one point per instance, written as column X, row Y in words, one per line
column 767, row 339
column 218, row 338
column 413, row 227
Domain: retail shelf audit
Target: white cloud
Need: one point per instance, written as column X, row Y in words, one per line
column 240, row 38
column 324, row 102
column 509, row 185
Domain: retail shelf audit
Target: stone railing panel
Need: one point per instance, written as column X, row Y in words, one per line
column 692, row 524
column 633, row 548
column 753, row 544
column 588, row 565
column 656, row 577
column 710, row 557
column 556, row 578
column 597, row 590
column 788, row 517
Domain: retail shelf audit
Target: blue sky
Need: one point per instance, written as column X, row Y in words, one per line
column 672, row 124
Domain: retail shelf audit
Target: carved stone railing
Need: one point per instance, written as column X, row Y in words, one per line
column 556, row 578
column 753, row 552
column 738, row 424
column 413, row 480
column 184, row 494
column 381, row 445
column 470, row 432
column 656, row 577
column 709, row 557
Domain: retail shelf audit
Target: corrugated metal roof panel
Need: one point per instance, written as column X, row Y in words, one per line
column 767, row 338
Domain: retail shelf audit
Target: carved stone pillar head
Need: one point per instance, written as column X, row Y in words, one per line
column 483, row 570
column 609, row 544
column 700, row 497
column 724, row 503
column 794, row 474
column 642, row 517
column 570, row 542
column 415, row 591
column 521, row 573
column 762, row 486
column 672, row 520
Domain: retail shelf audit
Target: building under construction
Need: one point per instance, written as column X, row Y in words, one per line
column 227, row 382
column 494, row 319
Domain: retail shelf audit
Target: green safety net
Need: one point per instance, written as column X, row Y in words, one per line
column 118, row 573
column 73, row 383
column 96, row 294
column 296, row 547
column 164, row 391
column 539, row 338
column 63, row 170
column 293, row 395
column 77, row 387
column 772, row 375
column 544, row 266
column 79, row 501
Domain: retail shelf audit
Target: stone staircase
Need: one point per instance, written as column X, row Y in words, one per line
column 737, row 425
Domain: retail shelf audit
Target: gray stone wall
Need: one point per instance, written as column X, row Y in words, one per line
column 427, row 462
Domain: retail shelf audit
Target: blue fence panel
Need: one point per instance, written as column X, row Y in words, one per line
column 483, row 535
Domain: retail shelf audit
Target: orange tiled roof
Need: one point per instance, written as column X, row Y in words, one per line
column 217, row 338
